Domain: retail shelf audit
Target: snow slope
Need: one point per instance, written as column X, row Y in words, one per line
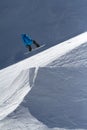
column 17, row 80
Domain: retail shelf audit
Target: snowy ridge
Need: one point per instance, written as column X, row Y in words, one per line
column 15, row 80
column 15, row 72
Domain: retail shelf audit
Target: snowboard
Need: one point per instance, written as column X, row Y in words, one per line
column 34, row 49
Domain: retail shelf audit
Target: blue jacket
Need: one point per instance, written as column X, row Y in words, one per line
column 27, row 40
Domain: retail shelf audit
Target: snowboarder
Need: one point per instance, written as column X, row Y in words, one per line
column 28, row 42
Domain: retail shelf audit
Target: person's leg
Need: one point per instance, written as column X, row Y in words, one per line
column 35, row 43
column 29, row 47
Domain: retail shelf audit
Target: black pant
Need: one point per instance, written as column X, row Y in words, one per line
column 35, row 43
column 29, row 47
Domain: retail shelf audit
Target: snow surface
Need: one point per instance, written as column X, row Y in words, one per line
column 58, row 96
